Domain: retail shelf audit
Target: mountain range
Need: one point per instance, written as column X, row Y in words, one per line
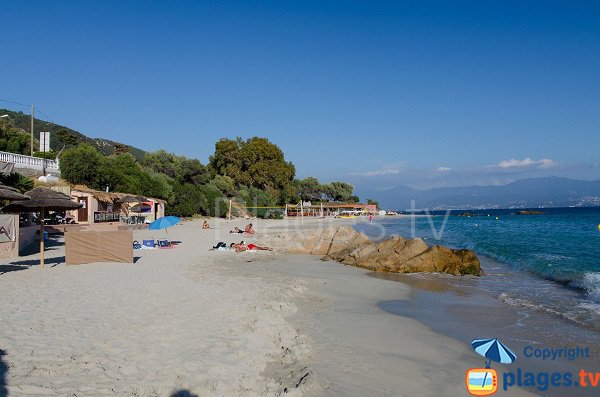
column 525, row 193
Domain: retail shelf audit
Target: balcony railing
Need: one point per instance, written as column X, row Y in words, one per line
column 28, row 161
column 106, row 217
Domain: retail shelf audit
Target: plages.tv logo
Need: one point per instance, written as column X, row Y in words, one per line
column 484, row 381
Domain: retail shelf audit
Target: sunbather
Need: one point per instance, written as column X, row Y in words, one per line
column 236, row 230
column 205, row 225
column 253, row 247
column 249, row 229
column 241, row 247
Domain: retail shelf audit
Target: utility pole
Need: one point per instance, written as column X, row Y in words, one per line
column 32, row 114
column 44, row 155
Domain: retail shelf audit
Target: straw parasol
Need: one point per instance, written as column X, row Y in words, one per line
column 42, row 199
column 10, row 193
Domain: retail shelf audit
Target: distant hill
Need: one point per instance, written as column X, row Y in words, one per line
column 61, row 136
column 525, row 193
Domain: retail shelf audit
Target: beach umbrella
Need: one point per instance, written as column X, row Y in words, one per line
column 42, row 199
column 10, row 193
column 164, row 222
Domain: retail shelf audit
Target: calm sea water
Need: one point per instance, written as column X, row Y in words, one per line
column 548, row 262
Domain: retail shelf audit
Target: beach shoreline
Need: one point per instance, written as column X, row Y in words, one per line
column 218, row 323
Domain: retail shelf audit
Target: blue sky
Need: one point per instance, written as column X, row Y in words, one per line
column 377, row 93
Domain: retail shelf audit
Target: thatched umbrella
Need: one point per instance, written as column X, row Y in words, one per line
column 10, row 193
column 42, row 199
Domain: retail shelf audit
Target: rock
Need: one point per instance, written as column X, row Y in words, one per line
column 525, row 212
column 396, row 254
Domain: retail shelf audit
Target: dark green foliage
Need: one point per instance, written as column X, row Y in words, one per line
column 373, row 202
column 189, row 200
column 310, row 189
column 81, row 165
column 20, row 182
column 341, row 191
column 192, row 188
column 68, row 138
column 255, row 162
column 47, row 155
column 12, row 139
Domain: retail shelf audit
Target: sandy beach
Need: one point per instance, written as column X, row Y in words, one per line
column 189, row 321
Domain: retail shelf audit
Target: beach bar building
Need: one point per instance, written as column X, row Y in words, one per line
column 100, row 207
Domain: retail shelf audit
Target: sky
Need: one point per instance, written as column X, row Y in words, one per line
column 381, row 94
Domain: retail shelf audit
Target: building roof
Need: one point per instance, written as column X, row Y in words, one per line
column 106, row 197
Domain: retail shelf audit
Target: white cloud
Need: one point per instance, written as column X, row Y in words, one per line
column 443, row 169
column 386, row 171
column 526, row 163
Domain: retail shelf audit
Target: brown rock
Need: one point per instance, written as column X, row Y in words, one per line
column 396, row 254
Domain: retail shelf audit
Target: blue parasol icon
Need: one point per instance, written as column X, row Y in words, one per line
column 493, row 350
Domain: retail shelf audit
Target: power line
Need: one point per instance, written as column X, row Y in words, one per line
column 44, row 114
column 48, row 118
column 15, row 103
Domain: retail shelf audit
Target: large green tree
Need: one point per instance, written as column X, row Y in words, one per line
column 255, row 162
column 12, row 139
column 310, row 188
column 81, row 165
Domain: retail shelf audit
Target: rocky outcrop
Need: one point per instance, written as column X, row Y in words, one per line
column 396, row 254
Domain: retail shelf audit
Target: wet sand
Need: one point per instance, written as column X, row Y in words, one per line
column 463, row 309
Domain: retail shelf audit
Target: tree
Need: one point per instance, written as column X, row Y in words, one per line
column 12, row 139
column 188, row 200
column 68, row 138
column 339, row 191
column 121, row 148
column 224, row 184
column 20, row 182
column 81, row 165
column 162, row 162
column 255, row 162
column 373, row 202
column 192, row 171
column 309, row 188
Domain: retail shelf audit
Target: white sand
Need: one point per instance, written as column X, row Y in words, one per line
column 217, row 324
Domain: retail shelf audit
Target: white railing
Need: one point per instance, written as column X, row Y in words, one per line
column 28, row 161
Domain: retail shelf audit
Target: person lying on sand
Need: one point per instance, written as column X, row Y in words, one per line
column 236, row 230
column 249, row 229
column 241, row 247
column 205, row 225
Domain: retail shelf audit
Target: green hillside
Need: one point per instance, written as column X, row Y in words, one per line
column 65, row 137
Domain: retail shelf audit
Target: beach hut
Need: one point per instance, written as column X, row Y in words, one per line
column 42, row 200
column 101, row 207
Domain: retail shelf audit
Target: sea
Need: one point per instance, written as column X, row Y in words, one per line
column 547, row 262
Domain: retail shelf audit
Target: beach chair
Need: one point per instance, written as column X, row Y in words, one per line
column 165, row 244
column 148, row 243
